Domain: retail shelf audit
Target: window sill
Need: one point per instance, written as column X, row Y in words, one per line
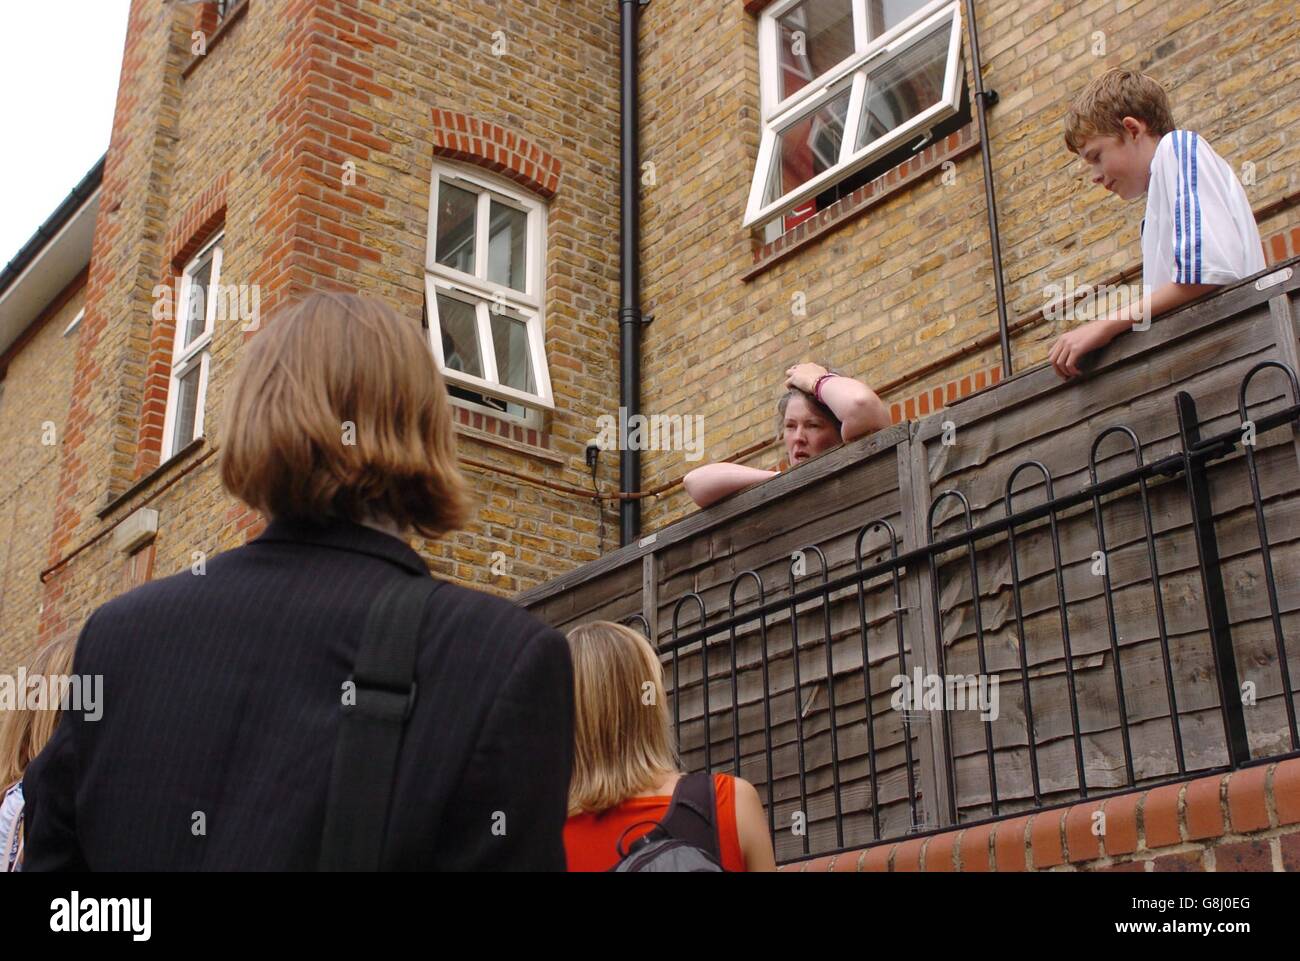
column 181, row 455
column 895, row 181
column 498, row 432
column 233, row 15
column 532, row 419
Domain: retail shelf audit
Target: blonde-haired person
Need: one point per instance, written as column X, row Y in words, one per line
column 820, row 409
column 24, row 732
column 625, row 766
column 226, row 685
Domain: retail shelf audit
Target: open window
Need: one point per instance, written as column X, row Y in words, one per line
column 484, row 274
column 844, row 83
column 196, row 310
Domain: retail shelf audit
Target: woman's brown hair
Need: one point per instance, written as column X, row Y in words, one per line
column 23, row 732
column 622, row 735
column 339, row 411
column 813, row 404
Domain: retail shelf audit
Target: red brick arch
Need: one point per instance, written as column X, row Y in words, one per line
column 458, row 136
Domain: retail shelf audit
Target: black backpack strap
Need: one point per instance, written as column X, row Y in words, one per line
column 692, row 816
column 370, row 731
column 649, row 836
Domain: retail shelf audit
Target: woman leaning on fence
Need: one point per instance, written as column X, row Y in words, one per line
column 819, row 410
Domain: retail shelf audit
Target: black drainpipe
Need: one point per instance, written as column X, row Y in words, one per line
column 984, row 99
column 629, row 254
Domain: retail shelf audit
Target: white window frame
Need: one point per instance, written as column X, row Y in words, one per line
column 185, row 357
column 76, row 321
column 527, row 304
column 778, row 114
column 527, row 417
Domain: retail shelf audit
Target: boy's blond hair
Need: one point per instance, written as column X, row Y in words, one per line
column 1116, row 94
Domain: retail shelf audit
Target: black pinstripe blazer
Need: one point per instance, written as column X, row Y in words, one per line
column 221, row 700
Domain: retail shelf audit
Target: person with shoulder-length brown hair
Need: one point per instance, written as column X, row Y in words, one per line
column 341, row 414
column 625, row 766
column 24, row 731
column 226, row 684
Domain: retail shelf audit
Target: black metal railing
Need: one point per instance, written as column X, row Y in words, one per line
column 795, row 630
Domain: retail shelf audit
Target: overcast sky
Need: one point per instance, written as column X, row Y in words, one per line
column 59, row 64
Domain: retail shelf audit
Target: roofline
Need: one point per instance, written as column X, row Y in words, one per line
column 53, row 224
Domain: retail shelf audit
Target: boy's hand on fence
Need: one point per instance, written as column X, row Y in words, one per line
column 1071, row 346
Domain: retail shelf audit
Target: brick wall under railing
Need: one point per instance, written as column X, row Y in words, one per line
column 934, row 398
column 1246, row 820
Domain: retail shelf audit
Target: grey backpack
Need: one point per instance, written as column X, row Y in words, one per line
column 687, row 837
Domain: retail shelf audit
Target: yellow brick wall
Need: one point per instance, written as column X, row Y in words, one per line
column 34, row 399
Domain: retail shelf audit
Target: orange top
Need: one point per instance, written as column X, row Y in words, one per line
column 591, row 840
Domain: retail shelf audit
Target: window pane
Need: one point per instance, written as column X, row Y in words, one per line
column 459, row 335
column 455, row 242
column 507, row 234
column 187, row 405
column 904, row 86
column 195, row 308
column 807, row 147
column 884, row 15
column 510, row 340
column 813, row 37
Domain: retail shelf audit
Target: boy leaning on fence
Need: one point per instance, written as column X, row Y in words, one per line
column 1198, row 233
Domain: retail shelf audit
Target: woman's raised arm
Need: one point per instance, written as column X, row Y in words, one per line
column 860, row 411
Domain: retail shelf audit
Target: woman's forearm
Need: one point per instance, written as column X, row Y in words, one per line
column 860, row 411
column 712, row 482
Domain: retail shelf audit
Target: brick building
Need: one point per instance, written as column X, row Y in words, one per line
column 461, row 160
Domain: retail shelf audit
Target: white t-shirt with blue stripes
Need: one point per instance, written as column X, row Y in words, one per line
column 1199, row 228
